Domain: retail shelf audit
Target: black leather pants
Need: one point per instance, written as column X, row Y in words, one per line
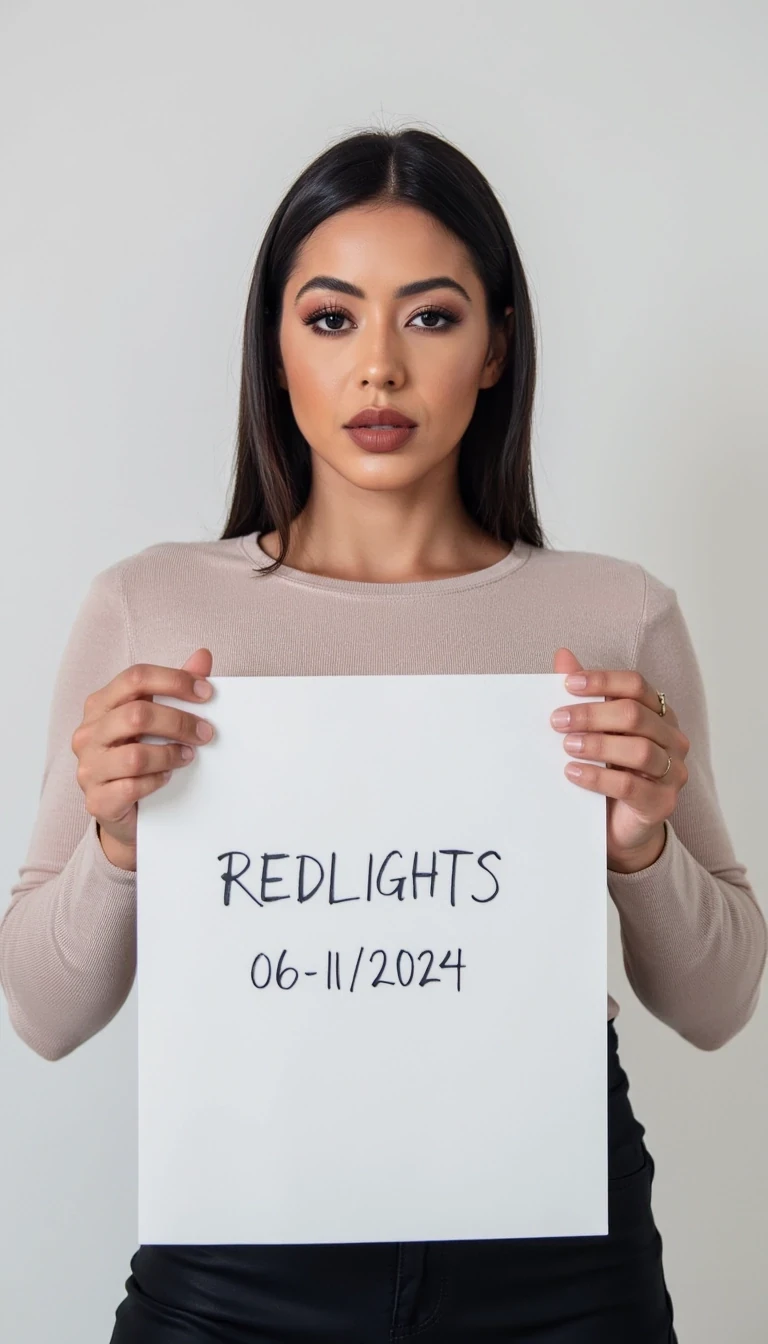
column 554, row 1290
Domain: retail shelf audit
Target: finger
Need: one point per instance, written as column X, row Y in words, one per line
column 144, row 680
column 625, row 684
column 629, row 684
column 618, row 716
column 137, row 717
column 652, row 798
column 135, row 759
column 111, row 801
column 630, row 753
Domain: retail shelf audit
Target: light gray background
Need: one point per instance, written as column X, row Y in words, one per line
column 144, row 147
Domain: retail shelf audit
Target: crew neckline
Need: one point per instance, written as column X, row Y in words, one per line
column 513, row 560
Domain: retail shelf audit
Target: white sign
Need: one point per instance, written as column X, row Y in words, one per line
column 372, row 968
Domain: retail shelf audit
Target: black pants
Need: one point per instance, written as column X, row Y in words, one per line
column 543, row 1290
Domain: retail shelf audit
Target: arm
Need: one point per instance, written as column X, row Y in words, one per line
column 693, row 935
column 68, row 936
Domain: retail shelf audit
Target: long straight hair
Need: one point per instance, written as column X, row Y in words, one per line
column 272, row 470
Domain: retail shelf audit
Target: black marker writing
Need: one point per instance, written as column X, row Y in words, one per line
column 444, row 882
column 286, row 976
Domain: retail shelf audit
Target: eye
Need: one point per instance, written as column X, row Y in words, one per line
column 450, row 318
column 333, row 312
column 329, row 310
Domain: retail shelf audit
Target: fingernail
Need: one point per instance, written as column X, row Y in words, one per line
column 187, row 753
column 202, row 689
column 561, row 718
column 204, row 731
column 574, row 741
column 575, row 681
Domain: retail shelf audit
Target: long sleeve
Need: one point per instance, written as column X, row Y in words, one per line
column 67, row 938
column 693, row 935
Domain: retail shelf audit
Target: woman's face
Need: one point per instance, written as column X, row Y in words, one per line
column 380, row 350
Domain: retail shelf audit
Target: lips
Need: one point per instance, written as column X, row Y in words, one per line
column 380, row 439
column 373, row 416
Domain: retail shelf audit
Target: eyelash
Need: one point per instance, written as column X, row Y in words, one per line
column 333, row 309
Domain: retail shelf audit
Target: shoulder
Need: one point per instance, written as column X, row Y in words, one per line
column 611, row 608
column 170, row 568
column 607, row 580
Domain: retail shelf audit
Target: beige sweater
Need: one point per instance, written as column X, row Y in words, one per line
column 693, row 935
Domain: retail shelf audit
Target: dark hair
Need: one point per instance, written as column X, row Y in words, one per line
column 272, row 470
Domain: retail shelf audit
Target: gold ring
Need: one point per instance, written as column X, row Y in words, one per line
column 666, row 772
column 662, row 702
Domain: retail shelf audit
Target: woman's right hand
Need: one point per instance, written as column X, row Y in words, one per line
column 114, row 768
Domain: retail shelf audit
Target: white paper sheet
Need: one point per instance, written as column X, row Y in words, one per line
column 322, row 1070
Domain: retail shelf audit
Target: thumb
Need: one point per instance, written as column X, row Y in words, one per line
column 199, row 663
column 565, row 661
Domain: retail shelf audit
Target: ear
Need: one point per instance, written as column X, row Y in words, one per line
column 498, row 350
column 281, row 378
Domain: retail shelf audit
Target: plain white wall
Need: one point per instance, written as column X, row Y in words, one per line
column 144, row 147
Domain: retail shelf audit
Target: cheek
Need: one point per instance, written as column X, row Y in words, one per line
column 449, row 382
column 315, row 389
column 460, row 355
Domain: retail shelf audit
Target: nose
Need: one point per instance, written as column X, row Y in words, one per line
column 380, row 362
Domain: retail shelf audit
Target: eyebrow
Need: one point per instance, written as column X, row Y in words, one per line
column 402, row 292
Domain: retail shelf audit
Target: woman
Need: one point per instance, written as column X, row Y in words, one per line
column 388, row 291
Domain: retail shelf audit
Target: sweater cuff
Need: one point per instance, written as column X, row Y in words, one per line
column 649, row 878
column 98, row 859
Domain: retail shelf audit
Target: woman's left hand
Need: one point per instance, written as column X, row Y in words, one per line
column 635, row 741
